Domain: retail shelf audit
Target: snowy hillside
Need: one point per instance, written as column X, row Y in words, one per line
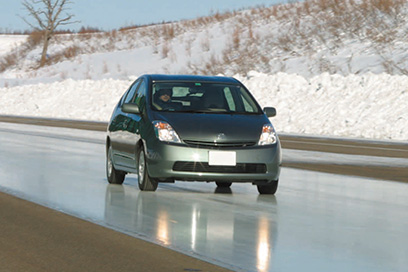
column 329, row 69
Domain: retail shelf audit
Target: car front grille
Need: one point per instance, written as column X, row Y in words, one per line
column 212, row 144
column 204, row 167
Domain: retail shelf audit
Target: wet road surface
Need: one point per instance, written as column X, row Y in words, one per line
column 316, row 222
column 367, row 151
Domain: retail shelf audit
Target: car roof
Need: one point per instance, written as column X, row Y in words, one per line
column 220, row 79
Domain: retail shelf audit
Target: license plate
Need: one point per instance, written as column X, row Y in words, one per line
column 226, row 158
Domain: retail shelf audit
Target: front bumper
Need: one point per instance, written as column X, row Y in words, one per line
column 162, row 158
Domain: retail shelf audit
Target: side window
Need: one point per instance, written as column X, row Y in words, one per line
column 248, row 103
column 248, row 107
column 131, row 93
column 229, row 98
column 141, row 93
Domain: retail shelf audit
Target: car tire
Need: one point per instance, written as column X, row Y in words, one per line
column 268, row 189
column 146, row 183
column 223, row 184
column 114, row 176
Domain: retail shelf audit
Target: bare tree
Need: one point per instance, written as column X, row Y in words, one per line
column 48, row 16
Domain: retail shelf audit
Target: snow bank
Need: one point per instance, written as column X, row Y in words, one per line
column 71, row 99
column 367, row 106
column 8, row 42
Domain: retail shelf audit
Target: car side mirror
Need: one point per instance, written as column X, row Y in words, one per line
column 270, row 111
column 131, row 108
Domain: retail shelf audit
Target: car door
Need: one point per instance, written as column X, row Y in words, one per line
column 133, row 124
column 119, row 127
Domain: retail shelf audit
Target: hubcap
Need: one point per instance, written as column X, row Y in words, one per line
column 141, row 168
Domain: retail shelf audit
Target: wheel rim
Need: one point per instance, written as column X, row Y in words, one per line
column 109, row 161
column 141, row 167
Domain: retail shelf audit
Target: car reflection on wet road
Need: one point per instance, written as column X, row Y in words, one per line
column 316, row 222
column 196, row 224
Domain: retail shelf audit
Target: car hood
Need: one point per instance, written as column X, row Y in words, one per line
column 220, row 128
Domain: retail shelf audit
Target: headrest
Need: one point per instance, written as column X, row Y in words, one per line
column 164, row 91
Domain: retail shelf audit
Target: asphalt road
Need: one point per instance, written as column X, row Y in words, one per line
column 35, row 238
column 296, row 142
column 351, row 147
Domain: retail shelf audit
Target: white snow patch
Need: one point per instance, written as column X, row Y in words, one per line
column 367, row 106
column 9, row 42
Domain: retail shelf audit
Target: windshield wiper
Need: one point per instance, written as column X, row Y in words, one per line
column 217, row 112
column 197, row 111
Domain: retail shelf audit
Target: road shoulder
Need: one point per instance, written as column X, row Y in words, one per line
column 36, row 238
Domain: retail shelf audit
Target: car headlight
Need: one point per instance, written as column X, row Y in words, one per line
column 165, row 132
column 268, row 135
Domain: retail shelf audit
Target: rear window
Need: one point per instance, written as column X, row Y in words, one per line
column 203, row 97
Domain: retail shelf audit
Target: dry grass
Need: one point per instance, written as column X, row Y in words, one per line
column 8, row 61
column 306, row 28
column 35, row 38
column 154, row 34
column 68, row 53
column 71, row 52
column 168, row 32
column 205, row 43
column 165, row 50
column 236, row 38
column 309, row 28
column 88, row 30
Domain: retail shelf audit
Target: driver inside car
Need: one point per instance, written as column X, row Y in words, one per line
column 163, row 100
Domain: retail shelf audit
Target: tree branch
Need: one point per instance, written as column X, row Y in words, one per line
column 46, row 14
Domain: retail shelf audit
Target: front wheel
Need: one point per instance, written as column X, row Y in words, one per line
column 114, row 176
column 268, row 189
column 146, row 183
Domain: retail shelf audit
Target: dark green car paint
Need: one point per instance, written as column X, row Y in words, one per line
column 131, row 129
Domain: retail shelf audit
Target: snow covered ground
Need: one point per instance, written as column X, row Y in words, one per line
column 368, row 106
column 10, row 41
column 365, row 95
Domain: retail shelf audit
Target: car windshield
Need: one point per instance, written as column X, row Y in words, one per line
column 202, row 97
